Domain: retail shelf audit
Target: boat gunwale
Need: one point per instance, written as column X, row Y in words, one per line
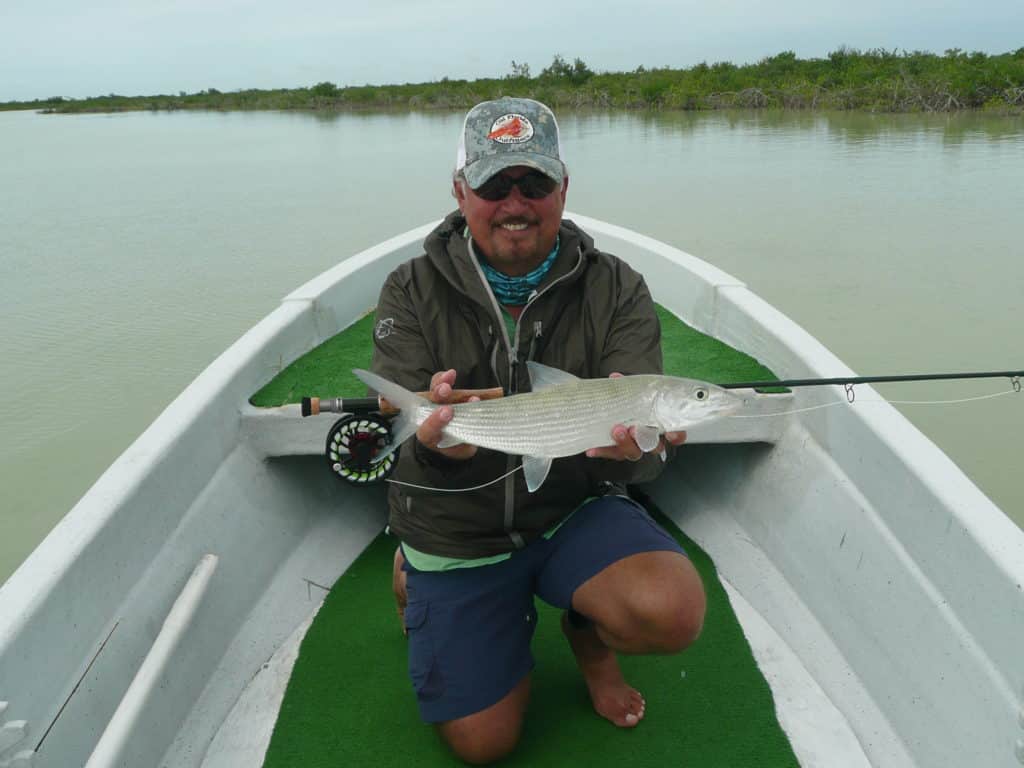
column 1001, row 538
column 717, row 304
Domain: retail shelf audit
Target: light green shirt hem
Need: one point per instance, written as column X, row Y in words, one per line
column 422, row 561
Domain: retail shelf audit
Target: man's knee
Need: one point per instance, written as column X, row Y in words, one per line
column 479, row 747
column 686, row 610
column 664, row 610
column 675, row 620
column 492, row 734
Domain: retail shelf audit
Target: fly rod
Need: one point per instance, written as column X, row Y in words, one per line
column 312, row 406
column 849, row 381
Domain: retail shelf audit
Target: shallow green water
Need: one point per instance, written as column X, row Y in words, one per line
column 134, row 248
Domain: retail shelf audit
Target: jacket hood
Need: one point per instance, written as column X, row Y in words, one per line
column 447, row 248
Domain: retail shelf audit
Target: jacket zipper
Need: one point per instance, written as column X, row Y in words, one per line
column 533, row 297
column 538, row 331
column 513, row 383
column 497, row 316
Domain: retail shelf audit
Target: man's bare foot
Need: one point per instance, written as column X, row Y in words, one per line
column 612, row 697
column 398, row 587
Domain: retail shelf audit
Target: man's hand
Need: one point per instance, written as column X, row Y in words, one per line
column 626, row 448
column 431, row 431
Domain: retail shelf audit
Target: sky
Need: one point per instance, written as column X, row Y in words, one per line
column 75, row 48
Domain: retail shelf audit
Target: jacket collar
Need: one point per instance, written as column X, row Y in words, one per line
column 447, row 248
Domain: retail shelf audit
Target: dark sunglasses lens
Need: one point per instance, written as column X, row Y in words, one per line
column 495, row 188
column 533, row 186
column 537, row 186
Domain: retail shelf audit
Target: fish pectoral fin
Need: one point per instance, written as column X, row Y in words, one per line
column 647, row 437
column 536, row 469
column 449, row 442
column 542, row 376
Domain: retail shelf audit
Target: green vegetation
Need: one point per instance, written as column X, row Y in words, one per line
column 847, row 79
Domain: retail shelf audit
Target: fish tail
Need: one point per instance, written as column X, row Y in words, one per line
column 403, row 425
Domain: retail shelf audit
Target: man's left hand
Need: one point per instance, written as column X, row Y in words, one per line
column 626, row 448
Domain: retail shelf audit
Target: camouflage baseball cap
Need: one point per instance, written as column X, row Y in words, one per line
column 505, row 132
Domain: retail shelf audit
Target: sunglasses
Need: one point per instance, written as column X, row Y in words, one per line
column 533, row 186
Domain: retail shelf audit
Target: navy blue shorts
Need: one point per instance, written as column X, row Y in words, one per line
column 470, row 628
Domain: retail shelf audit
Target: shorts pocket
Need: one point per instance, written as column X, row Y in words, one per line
column 415, row 615
column 424, row 669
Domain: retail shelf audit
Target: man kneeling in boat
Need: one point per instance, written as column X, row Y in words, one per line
column 505, row 280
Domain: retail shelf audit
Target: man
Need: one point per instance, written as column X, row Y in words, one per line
column 505, row 280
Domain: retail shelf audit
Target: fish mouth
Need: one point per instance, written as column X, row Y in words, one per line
column 715, row 408
column 731, row 405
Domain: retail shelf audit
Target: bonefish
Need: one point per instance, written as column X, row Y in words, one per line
column 563, row 415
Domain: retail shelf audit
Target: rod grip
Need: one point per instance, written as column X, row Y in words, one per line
column 458, row 396
column 312, row 406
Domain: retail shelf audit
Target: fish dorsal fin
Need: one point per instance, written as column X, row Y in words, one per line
column 535, row 469
column 542, row 376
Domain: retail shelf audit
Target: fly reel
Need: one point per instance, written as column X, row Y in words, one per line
column 352, row 445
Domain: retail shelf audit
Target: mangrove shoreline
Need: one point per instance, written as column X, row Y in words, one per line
column 847, row 79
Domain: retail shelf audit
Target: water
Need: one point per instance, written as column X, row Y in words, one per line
column 134, row 248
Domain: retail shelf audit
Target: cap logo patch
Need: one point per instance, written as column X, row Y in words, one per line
column 511, row 129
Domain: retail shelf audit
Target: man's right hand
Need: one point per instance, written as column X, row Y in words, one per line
column 431, row 431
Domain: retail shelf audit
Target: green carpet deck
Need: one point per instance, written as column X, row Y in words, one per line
column 327, row 370
column 350, row 702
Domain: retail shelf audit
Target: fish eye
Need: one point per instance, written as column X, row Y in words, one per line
column 702, row 394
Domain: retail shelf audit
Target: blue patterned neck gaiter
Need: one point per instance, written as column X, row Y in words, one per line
column 516, row 291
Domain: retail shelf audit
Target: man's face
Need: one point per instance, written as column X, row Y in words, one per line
column 516, row 233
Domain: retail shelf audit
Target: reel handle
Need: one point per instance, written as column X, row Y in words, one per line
column 311, row 406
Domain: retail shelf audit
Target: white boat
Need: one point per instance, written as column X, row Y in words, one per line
column 880, row 590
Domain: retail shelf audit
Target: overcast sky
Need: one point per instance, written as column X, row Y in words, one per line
column 77, row 48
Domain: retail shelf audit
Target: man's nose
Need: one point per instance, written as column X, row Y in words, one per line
column 515, row 200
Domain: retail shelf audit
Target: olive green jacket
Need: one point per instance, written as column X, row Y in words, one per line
column 591, row 315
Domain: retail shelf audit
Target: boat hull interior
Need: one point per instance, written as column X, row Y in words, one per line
column 880, row 589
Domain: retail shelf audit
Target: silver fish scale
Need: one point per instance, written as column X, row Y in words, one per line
column 560, row 420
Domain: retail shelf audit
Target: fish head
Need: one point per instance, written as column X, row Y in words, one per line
column 684, row 403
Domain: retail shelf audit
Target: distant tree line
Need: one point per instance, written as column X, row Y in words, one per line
column 875, row 80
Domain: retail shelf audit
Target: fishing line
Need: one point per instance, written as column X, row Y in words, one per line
column 785, row 413
column 1015, row 390
column 943, row 402
column 875, row 402
column 457, row 490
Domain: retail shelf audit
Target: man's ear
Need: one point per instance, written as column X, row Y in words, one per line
column 457, row 191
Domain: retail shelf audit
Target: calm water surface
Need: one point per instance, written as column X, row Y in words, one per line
column 134, row 248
